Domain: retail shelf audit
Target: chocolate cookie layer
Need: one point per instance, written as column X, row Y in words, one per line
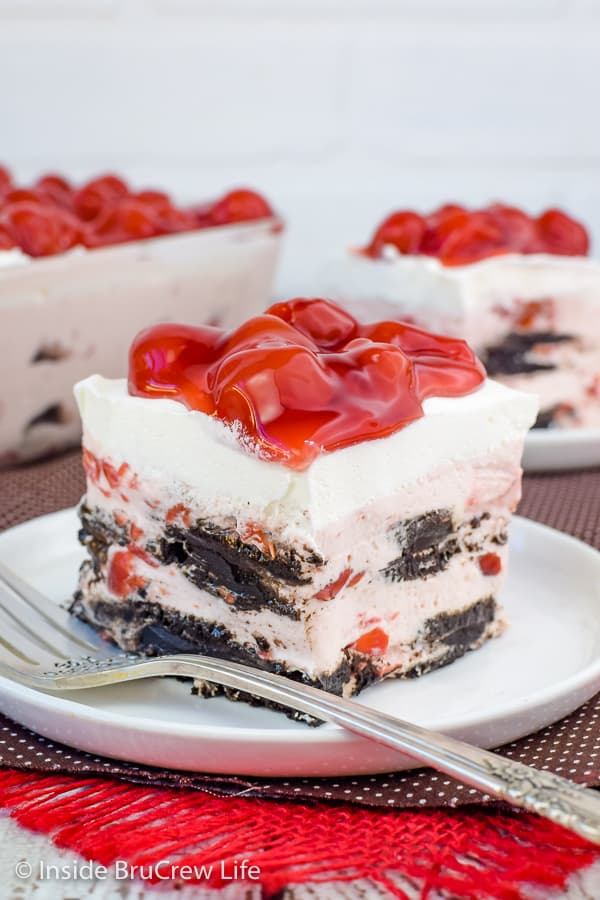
column 427, row 544
column 216, row 560
column 547, row 418
column 221, row 563
column 510, row 356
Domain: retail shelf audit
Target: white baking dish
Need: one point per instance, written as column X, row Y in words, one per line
column 65, row 317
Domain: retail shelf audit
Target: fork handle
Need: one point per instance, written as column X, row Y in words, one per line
column 549, row 795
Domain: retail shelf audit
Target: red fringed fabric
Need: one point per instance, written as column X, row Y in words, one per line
column 482, row 854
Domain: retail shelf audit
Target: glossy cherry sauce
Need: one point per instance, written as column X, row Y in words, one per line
column 304, row 378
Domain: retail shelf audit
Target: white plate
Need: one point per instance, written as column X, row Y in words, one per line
column 542, row 668
column 551, row 449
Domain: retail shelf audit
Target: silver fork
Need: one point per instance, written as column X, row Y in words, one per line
column 42, row 646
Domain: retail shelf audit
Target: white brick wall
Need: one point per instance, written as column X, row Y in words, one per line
column 338, row 109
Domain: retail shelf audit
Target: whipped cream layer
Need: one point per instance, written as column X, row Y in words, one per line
column 472, row 301
column 13, row 257
column 167, row 444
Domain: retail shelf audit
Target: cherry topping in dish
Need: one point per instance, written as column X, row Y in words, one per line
column 457, row 236
column 304, row 378
column 52, row 216
column 37, row 230
column 239, row 206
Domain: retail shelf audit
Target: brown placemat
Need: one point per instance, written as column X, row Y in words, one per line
column 29, row 491
column 569, row 501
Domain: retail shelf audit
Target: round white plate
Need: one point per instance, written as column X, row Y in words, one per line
column 551, row 449
column 544, row 666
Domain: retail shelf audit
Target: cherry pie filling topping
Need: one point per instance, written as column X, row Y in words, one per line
column 304, row 378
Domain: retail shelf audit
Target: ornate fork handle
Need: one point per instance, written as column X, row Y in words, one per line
column 555, row 798
column 547, row 794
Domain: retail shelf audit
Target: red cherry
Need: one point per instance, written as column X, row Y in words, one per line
column 106, row 227
column 402, row 230
column 6, row 181
column 241, row 205
column 179, row 510
column 561, row 234
column 371, row 374
column 202, row 213
column 165, row 218
column 55, row 189
column 113, row 475
column 331, row 590
column 269, row 392
column 458, row 236
column 157, row 200
column 441, row 225
column 39, row 231
column 173, row 220
column 91, row 465
column 118, row 222
column 7, row 242
column 91, row 238
column 171, row 361
column 373, row 643
column 519, row 232
column 97, row 194
column 430, row 354
column 327, row 325
column 490, row 564
column 137, row 220
column 445, row 215
column 478, row 238
column 23, row 195
column 122, row 578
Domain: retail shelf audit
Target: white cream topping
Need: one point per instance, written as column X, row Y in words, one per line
column 166, row 442
column 13, row 257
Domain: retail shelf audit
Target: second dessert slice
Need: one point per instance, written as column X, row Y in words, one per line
column 521, row 290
